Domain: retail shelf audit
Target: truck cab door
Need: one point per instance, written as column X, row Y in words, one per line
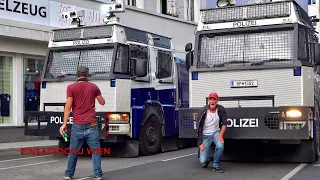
column 187, row 117
column 165, row 89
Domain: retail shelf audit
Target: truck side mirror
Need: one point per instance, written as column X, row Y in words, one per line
column 189, row 60
column 317, row 54
column 189, row 55
column 188, row 47
column 140, row 67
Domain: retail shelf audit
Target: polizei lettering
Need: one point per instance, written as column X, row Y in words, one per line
column 59, row 120
column 245, row 122
column 244, row 23
column 81, row 42
column 23, row 8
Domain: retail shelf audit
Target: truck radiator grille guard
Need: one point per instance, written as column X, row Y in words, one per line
column 45, row 123
column 98, row 32
column 273, row 120
column 252, row 123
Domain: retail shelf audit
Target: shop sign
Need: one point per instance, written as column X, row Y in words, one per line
column 35, row 11
column 44, row 12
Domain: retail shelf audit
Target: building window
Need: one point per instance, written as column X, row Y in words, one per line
column 190, row 10
column 6, row 90
column 132, row 3
column 163, row 6
column 32, row 80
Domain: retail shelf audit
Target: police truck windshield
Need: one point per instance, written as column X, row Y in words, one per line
column 246, row 48
column 62, row 64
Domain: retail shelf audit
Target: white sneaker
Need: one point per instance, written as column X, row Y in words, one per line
column 67, row 177
column 97, row 178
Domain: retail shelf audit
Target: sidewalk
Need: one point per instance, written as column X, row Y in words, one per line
column 27, row 144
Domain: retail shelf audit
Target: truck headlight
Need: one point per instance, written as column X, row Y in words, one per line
column 293, row 113
column 119, row 117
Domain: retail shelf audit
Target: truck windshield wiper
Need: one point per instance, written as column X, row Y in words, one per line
column 232, row 62
column 98, row 72
column 270, row 60
column 66, row 75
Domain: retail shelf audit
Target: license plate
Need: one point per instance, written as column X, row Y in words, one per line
column 244, row 83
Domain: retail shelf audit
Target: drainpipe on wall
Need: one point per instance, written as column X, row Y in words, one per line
column 196, row 10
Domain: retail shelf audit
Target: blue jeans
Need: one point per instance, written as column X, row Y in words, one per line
column 205, row 154
column 79, row 133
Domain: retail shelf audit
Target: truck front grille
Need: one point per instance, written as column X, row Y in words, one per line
column 36, row 122
column 114, row 128
column 273, row 120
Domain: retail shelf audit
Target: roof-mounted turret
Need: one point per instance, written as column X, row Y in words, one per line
column 110, row 8
column 116, row 6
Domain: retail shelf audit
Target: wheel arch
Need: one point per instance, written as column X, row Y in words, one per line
column 152, row 108
column 152, row 113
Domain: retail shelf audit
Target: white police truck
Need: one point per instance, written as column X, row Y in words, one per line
column 263, row 60
column 141, row 79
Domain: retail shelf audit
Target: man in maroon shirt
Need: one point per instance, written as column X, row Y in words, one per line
column 81, row 97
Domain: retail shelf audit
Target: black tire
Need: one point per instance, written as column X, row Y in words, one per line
column 316, row 141
column 150, row 136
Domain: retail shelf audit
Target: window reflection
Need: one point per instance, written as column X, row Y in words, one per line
column 5, row 90
column 32, row 80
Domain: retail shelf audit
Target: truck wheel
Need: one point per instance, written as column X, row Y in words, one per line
column 150, row 136
column 317, row 154
column 317, row 141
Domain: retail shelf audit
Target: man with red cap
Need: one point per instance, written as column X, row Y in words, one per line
column 212, row 125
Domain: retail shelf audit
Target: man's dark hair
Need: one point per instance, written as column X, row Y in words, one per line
column 83, row 74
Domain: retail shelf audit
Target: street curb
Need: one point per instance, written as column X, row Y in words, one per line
column 20, row 147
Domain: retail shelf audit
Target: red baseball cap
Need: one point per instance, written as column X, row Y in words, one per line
column 213, row 95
